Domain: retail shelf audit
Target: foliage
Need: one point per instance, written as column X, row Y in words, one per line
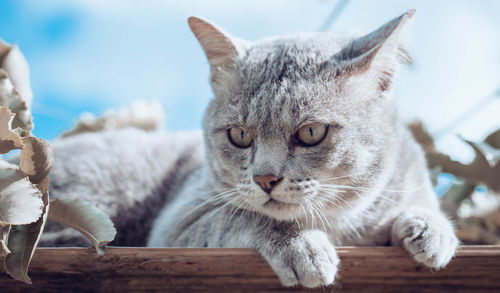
column 24, row 189
column 484, row 170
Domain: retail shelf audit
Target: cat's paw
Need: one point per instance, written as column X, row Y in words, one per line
column 309, row 260
column 428, row 237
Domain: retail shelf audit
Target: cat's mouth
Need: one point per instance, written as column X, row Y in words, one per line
column 274, row 203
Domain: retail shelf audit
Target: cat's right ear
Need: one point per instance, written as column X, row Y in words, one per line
column 222, row 49
column 373, row 59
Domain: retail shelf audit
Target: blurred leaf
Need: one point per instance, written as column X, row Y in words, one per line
column 142, row 114
column 20, row 200
column 486, row 164
column 23, row 240
column 15, row 89
column 422, row 136
column 494, row 139
column 10, row 97
column 434, row 174
column 84, row 217
column 8, row 139
column 490, row 154
column 4, row 232
column 451, row 199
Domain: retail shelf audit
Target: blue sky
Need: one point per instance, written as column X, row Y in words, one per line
column 91, row 55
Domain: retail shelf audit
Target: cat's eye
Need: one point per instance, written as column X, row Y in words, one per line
column 239, row 137
column 312, row 134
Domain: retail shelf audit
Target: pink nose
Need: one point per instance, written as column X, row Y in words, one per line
column 267, row 182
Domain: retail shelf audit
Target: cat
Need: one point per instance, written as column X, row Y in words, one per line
column 302, row 150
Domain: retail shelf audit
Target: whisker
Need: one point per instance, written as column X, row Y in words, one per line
column 313, row 220
column 305, row 213
column 224, row 205
column 356, row 191
column 330, row 188
column 322, row 210
column 214, row 198
column 373, row 189
column 243, row 202
column 319, row 215
column 346, row 202
column 339, row 177
column 296, row 221
column 327, row 199
column 211, row 200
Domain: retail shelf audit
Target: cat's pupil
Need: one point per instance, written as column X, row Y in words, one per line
column 242, row 135
column 311, row 131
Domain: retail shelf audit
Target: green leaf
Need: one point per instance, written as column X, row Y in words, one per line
column 86, row 218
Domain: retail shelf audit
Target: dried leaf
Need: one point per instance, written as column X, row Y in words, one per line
column 36, row 158
column 486, row 164
column 422, row 136
column 4, row 250
column 10, row 97
column 434, row 174
column 20, row 201
column 486, row 152
column 15, row 89
column 451, row 199
column 494, row 139
column 8, row 139
column 84, row 217
column 146, row 115
column 16, row 66
column 23, row 240
column 479, row 171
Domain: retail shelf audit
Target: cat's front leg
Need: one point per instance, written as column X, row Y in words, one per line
column 308, row 258
column 297, row 256
column 427, row 235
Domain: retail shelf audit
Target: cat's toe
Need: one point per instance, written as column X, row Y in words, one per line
column 435, row 249
column 310, row 260
column 285, row 272
column 428, row 238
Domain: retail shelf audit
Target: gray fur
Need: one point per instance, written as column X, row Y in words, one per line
column 130, row 174
column 366, row 183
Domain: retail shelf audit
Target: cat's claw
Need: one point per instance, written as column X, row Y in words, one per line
column 309, row 260
column 428, row 237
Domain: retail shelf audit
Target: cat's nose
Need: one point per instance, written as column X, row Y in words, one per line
column 267, row 182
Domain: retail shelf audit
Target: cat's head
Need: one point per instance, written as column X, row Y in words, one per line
column 300, row 124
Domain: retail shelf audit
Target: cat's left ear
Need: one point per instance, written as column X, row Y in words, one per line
column 221, row 48
column 375, row 58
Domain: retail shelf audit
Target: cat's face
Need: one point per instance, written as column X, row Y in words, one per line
column 299, row 125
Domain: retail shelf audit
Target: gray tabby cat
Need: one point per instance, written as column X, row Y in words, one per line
column 303, row 151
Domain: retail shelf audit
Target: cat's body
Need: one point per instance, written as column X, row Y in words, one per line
column 129, row 174
column 303, row 151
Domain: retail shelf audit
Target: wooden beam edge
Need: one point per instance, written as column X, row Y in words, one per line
column 362, row 269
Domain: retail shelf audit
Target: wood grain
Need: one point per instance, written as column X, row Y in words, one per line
column 363, row 269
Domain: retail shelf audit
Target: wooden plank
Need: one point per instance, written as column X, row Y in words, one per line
column 363, row 269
